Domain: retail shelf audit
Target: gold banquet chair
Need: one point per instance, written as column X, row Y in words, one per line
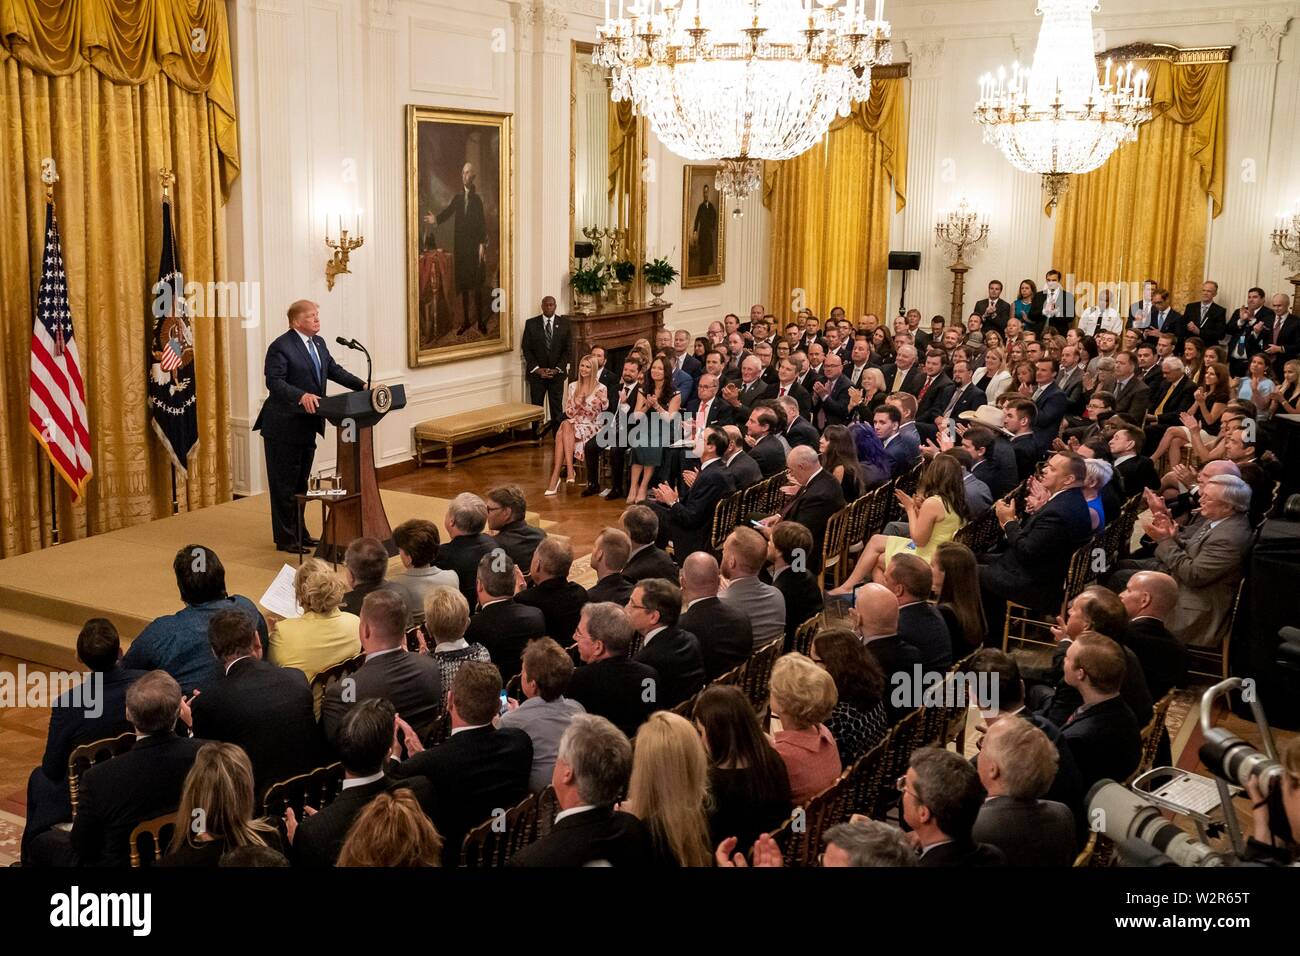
column 1212, row 662
column 149, row 839
column 1078, row 577
column 85, row 756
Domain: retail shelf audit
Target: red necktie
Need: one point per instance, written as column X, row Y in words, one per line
column 924, row 388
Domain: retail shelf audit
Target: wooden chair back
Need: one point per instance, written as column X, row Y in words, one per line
column 800, row 837
column 320, row 683
column 804, row 634
column 316, row 789
column 85, row 756
column 494, row 841
column 150, row 838
column 758, row 674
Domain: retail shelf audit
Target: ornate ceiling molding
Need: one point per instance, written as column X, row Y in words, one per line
column 1166, row 51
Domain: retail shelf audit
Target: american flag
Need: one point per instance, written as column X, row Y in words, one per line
column 57, row 410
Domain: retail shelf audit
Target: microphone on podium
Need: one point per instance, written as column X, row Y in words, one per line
column 354, row 344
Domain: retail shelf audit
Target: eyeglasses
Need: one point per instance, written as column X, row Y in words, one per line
column 901, row 786
column 639, row 607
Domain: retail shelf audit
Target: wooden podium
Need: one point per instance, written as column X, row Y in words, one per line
column 360, row 514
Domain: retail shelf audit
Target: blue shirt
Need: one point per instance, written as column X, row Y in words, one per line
column 178, row 643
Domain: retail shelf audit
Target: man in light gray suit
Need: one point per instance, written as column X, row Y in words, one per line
column 1207, row 559
column 412, row 682
column 1017, row 764
column 743, row 555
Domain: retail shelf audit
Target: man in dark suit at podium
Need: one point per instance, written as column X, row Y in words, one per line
column 546, row 354
column 297, row 367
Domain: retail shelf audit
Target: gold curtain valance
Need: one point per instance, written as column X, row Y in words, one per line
column 129, row 42
column 1195, row 95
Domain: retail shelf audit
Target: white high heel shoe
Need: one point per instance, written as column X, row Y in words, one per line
column 552, row 491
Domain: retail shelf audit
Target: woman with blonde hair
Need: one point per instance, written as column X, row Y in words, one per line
column 993, row 376
column 216, row 810
column 669, row 790
column 934, row 515
column 392, row 831
column 323, row 635
column 802, row 697
column 446, row 619
column 585, row 399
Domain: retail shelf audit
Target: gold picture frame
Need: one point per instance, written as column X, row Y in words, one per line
column 459, row 307
column 698, row 253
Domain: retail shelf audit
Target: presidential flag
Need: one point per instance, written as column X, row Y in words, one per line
column 172, row 400
column 56, row 412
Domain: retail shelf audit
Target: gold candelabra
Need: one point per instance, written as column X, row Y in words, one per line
column 961, row 229
column 343, row 246
column 1286, row 243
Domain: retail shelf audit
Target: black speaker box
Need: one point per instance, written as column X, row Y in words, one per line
column 904, row 261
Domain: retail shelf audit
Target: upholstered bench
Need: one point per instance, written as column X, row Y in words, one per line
column 494, row 421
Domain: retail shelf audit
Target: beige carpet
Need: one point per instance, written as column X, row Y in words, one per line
column 126, row 575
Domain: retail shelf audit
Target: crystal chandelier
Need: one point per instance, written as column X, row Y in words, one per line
column 1059, row 118
column 741, row 81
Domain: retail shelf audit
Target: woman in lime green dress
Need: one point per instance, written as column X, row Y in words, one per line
column 934, row 516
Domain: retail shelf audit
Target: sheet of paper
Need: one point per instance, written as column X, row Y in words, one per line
column 279, row 598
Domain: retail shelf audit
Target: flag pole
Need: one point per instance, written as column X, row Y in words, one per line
column 50, row 176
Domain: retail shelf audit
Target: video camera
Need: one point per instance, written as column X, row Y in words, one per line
column 1133, row 818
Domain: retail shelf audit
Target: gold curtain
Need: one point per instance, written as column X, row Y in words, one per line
column 831, row 210
column 112, row 90
column 626, row 186
column 1143, row 214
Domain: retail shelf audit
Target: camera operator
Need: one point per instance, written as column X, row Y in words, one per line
column 1266, row 845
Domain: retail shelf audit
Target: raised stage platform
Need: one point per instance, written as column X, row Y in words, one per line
column 126, row 575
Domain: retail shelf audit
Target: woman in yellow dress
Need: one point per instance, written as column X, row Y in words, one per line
column 934, row 516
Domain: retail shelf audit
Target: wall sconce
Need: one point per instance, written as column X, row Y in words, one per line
column 343, row 245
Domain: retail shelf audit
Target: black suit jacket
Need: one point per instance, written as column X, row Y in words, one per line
column 751, row 395
column 922, row 626
column 1137, row 473
column 812, row 507
column 1106, row 742
column 963, row 854
column 598, row 835
column 1154, row 378
column 1032, row 569
column 769, row 455
column 802, row 432
column 833, row 409
column 912, row 381
column 1180, row 394
column 117, row 794
column 473, row 773
column 1052, row 404
column 999, row 470
column 936, row 397
column 1215, row 325
column 1163, row 656
column 505, row 628
column 614, row 588
column 998, row 320
column 411, row 682
column 266, row 710
column 1133, row 399
column 290, row 374
column 533, row 344
column 652, row 562
column 745, row 470
column 560, row 602
column 616, row 689
column 803, row 598
column 71, row 727
column 1027, row 454
column 800, row 394
column 724, row 632
column 1288, row 337
column 690, row 518
column 895, row 656
column 320, row 836
column 676, row 657
column 1028, row 832
column 520, row 539
column 462, row 555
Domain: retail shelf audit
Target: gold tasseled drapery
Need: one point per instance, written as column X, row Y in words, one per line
column 112, row 90
column 831, row 209
column 626, row 185
column 1143, row 214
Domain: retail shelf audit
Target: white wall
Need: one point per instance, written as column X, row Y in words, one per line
column 322, row 88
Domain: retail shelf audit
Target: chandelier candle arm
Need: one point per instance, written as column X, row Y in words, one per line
column 738, row 82
column 1058, row 118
